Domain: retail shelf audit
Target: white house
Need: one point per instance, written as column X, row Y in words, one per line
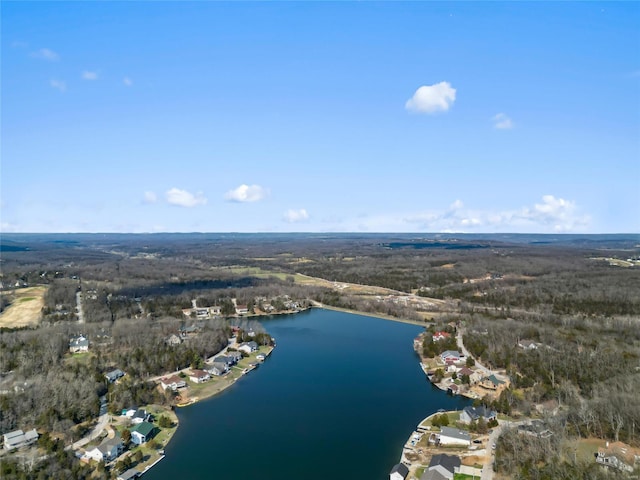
column 248, row 347
column 470, row 414
column 142, row 433
column 199, row 376
column 452, row 356
column 173, row 382
column 79, row 344
column 399, row 472
column 453, row 436
column 19, row 439
column 108, row 450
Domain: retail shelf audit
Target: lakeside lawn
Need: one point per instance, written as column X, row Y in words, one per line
column 217, row 384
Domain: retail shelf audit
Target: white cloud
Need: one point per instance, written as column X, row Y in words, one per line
column 432, row 98
column 87, row 75
column 150, row 197
column 246, row 193
column 294, row 216
column 183, row 198
column 7, row 227
column 502, row 122
column 457, row 205
column 46, row 54
column 58, row 84
column 127, row 81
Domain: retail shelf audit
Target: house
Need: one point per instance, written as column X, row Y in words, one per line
column 451, row 356
column 140, row 416
column 235, row 356
column 173, row 382
column 129, row 474
column 442, row 466
column 242, row 309
column 18, row 438
column 173, row 340
column 142, row 433
column 474, row 376
column 114, row 375
column 399, row 472
column 619, row 456
column 79, row 344
column 190, row 330
column 248, row 347
column 218, row 368
column 453, row 389
column 473, row 414
column 451, row 368
column 261, row 357
column 491, row 382
column 215, row 310
column 227, row 360
column 108, row 450
column 199, row 376
column 453, row 436
column 436, row 337
column 528, row 344
column 535, row 429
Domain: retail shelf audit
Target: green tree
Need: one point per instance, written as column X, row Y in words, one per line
column 165, row 422
column 470, row 361
column 126, row 437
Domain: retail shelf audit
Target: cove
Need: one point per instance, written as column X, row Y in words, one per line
column 337, row 398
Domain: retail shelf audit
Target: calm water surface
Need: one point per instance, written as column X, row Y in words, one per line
column 337, row 398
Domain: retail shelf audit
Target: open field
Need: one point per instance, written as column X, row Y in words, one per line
column 26, row 308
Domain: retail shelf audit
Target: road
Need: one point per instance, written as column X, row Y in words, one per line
column 466, row 353
column 79, row 307
column 103, row 421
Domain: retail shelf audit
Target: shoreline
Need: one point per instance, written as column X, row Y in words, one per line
column 374, row 315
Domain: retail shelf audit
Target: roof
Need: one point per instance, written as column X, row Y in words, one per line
column 450, row 353
column 114, row 374
column 465, row 371
column 476, row 412
column 144, row 428
column 400, row 468
column 198, row 373
column 492, row 378
column 171, row 379
column 252, row 344
column 129, row 474
column 108, row 444
column 79, row 342
column 450, row 462
column 454, row 433
column 433, row 474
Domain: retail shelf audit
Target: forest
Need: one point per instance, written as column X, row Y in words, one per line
column 582, row 314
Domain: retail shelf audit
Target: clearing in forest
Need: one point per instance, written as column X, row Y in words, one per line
column 26, row 308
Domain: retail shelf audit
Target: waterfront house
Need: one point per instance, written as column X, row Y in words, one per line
column 173, row 382
column 18, row 438
column 142, row 433
column 491, row 382
column 451, row 356
column 130, row 474
column 442, row 466
column 474, row 376
column 471, row 414
column 261, row 357
column 79, row 344
column 217, row 368
column 436, row 337
column 140, row 416
column 452, row 436
column 399, row 472
column 248, row 347
column 227, row 360
column 108, row 450
column 114, row 375
column 235, row 356
column 453, row 389
column 242, row 309
column 199, row 376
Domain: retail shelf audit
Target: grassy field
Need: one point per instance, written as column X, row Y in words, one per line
column 26, row 308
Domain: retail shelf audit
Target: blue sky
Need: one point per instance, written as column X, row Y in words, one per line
column 380, row 117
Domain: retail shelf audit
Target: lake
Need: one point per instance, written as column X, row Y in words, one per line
column 337, row 398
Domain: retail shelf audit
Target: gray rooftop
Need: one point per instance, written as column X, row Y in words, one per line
column 455, row 433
